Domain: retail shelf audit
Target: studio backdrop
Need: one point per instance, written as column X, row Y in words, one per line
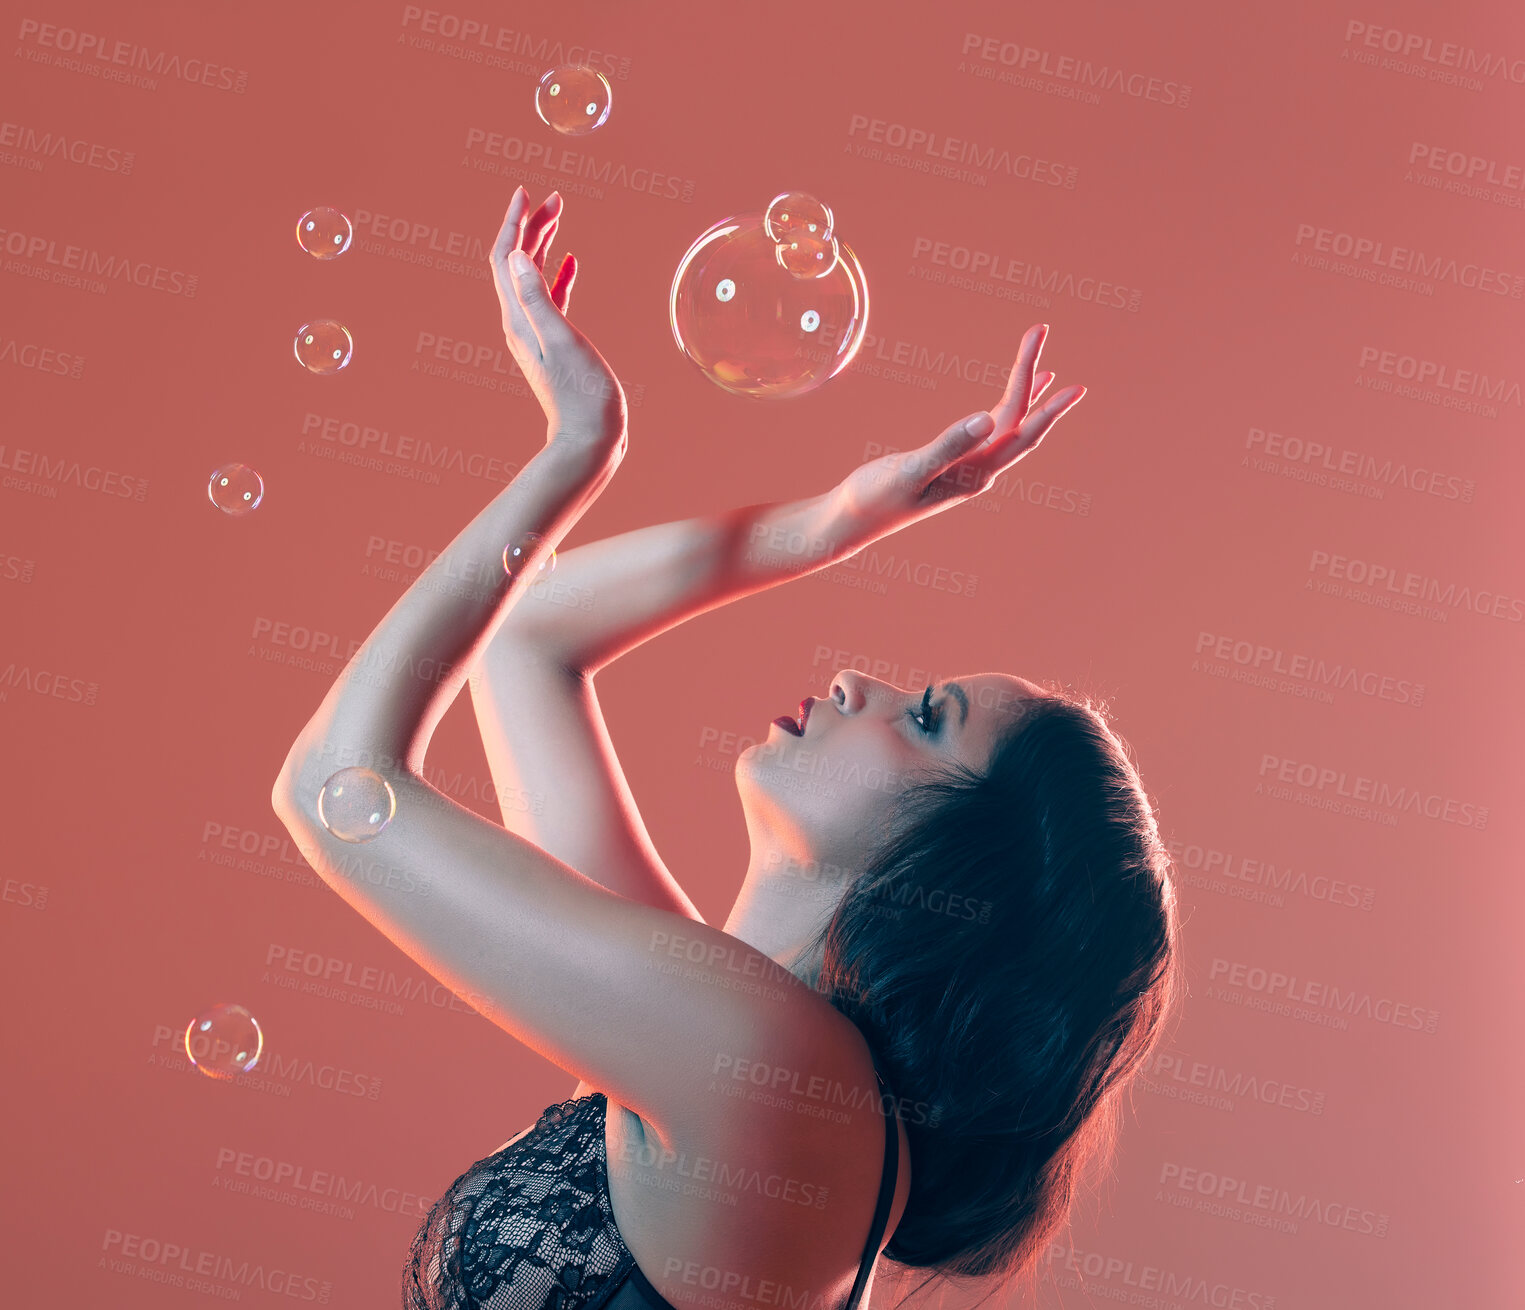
column 253, row 378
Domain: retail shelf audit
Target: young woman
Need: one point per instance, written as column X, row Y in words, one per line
column 955, row 943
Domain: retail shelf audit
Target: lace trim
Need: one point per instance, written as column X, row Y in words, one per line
column 528, row 1227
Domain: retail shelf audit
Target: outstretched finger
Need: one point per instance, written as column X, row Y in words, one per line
column 1006, row 450
column 561, row 289
column 927, row 463
column 540, row 230
column 1018, row 396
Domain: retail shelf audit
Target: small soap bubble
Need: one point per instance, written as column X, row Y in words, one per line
column 224, row 1041
column 794, row 213
column 236, row 489
column 573, row 99
column 323, row 346
column 806, row 256
column 324, row 233
column 356, row 804
column 515, row 555
column 754, row 325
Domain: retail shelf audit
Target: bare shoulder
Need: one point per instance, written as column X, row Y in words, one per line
column 776, row 1178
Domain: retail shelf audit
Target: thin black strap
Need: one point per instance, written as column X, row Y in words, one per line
column 886, row 1193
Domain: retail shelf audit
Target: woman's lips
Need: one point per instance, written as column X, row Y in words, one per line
column 796, row 726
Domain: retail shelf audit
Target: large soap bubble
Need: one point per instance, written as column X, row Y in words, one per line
column 765, row 305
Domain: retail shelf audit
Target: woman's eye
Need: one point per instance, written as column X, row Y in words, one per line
column 925, row 718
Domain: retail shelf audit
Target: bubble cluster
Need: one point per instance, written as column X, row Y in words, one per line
column 574, row 99
column 236, row 489
column 796, row 214
column 770, row 304
column 323, row 346
column 224, row 1041
column 515, row 555
column 356, row 804
column 324, row 233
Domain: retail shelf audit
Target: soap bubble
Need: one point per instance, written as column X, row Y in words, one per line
column 236, row 489
column 515, row 555
column 574, row 99
column 356, row 804
column 224, row 1041
column 807, row 256
column 794, row 213
column 324, row 233
column 757, row 327
column 323, row 346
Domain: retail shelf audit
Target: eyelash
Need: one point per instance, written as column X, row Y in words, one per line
column 934, row 719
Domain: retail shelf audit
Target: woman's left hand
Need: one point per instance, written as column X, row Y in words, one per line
column 583, row 401
column 896, row 490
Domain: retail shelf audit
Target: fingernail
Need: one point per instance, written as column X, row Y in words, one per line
column 519, row 261
column 980, row 425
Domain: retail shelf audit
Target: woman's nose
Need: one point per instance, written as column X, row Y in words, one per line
column 847, row 691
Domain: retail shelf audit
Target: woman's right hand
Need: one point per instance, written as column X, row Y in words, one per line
column 583, row 401
column 896, row 490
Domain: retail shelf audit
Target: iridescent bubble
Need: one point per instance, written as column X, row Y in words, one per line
column 224, row 1041
column 574, row 99
column 807, row 256
column 515, row 555
column 323, row 346
column 324, row 233
column 754, row 326
column 356, row 804
column 236, row 489
column 796, row 213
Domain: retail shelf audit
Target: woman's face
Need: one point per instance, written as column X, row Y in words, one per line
column 826, row 794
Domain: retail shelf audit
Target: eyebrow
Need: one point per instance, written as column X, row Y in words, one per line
column 963, row 701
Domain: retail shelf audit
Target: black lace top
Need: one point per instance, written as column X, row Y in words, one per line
column 530, row 1227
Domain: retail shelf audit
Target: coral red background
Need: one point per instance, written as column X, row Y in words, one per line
column 1314, row 219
